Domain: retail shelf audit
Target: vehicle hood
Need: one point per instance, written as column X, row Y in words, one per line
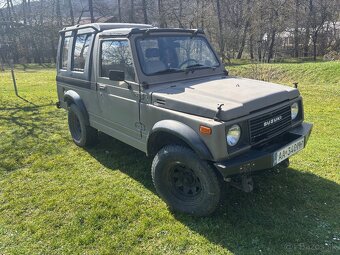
column 239, row 96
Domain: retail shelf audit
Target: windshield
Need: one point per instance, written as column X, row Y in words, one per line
column 167, row 54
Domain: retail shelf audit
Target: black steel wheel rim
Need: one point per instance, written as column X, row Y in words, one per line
column 185, row 184
column 75, row 127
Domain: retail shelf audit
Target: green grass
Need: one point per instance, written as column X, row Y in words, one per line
column 56, row 198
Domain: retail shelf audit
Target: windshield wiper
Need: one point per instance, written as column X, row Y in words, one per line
column 169, row 70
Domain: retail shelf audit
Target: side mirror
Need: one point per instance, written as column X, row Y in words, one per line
column 115, row 75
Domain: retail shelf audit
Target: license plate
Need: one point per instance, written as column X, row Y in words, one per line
column 288, row 151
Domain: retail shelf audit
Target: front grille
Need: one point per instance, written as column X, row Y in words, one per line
column 270, row 124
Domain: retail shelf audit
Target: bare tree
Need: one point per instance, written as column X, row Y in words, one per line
column 262, row 29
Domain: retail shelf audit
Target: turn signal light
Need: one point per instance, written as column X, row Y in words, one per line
column 205, row 130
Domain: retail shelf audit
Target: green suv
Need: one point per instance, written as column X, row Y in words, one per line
column 166, row 93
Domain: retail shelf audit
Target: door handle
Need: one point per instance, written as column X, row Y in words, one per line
column 101, row 87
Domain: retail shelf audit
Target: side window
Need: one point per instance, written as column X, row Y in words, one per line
column 81, row 49
column 65, row 52
column 116, row 55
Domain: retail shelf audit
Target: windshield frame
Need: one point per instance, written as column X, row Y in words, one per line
column 177, row 34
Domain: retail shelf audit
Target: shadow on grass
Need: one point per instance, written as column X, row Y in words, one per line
column 289, row 212
column 34, row 107
column 27, row 101
column 27, row 131
column 28, row 118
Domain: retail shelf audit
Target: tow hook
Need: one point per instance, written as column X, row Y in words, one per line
column 243, row 182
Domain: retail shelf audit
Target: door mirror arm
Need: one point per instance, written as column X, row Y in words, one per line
column 128, row 85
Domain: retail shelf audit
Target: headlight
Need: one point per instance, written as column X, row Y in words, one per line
column 294, row 110
column 234, row 134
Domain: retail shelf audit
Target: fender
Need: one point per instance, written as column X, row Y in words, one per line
column 72, row 97
column 184, row 133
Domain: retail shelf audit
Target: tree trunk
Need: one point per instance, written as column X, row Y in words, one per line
column 197, row 13
column 311, row 23
column 315, row 39
column 58, row 12
column 220, row 30
column 306, row 43
column 180, row 13
column 24, row 14
column 51, row 35
column 41, row 16
column 9, row 12
column 119, row 11
column 91, row 10
column 12, row 13
column 162, row 22
column 54, row 51
column 296, row 29
column 260, row 53
column 145, row 12
column 243, row 40
column 29, row 12
column 271, row 46
column 36, row 53
column 132, row 11
column 202, row 16
column 251, row 46
column 71, row 11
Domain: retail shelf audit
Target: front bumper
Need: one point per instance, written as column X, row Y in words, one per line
column 263, row 158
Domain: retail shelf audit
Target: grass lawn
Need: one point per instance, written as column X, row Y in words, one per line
column 56, row 198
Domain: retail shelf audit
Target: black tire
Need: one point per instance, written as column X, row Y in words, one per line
column 185, row 182
column 83, row 135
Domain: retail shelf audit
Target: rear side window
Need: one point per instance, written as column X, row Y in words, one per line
column 116, row 55
column 81, row 50
column 65, row 52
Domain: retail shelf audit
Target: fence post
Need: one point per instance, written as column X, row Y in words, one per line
column 13, row 78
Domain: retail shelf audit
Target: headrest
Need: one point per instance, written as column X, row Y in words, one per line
column 152, row 53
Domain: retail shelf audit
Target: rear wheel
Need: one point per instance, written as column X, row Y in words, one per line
column 185, row 182
column 83, row 135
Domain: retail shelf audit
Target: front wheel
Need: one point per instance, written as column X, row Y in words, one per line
column 184, row 181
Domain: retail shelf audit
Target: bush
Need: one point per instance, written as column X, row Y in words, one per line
column 332, row 56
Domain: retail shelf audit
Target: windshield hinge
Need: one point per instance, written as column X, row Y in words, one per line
column 218, row 113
